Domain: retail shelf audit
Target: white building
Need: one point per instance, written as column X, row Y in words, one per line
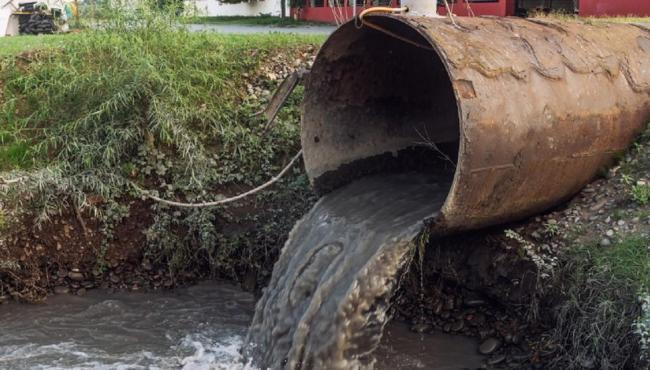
column 211, row 8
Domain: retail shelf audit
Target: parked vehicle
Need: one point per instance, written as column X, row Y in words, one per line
column 35, row 17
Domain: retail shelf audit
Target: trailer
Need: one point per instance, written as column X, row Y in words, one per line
column 34, row 18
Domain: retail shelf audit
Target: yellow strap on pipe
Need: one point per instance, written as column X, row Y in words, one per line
column 384, row 9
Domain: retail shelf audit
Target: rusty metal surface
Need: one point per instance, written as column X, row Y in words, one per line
column 542, row 107
column 281, row 95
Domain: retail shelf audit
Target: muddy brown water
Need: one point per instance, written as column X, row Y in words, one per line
column 200, row 327
column 329, row 297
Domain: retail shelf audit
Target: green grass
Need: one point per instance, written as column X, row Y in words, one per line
column 10, row 46
column 251, row 21
column 641, row 194
column 65, row 86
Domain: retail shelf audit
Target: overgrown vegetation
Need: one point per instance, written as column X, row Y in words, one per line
column 600, row 287
column 144, row 102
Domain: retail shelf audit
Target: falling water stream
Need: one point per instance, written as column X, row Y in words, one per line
column 328, row 300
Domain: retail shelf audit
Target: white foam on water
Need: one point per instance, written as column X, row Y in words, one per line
column 201, row 351
column 196, row 328
column 212, row 355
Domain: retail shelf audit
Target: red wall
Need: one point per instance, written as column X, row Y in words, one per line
column 501, row 8
column 460, row 8
column 324, row 14
column 614, row 7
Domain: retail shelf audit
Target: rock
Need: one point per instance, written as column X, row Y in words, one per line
column 477, row 320
column 61, row 289
column 621, row 223
column 605, row 242
column 600, row 204
column 496, row 360
column 115, row 279
column 458, row 325
column 146, row 265
column 4, row 298
column 449, row 304
column 520, row 356
column 75, row 275
column 81, row 291
column 610, row 233
column 489, row 346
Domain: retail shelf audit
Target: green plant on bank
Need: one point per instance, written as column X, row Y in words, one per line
column 551, row 228
column 641, row 193
column 595, row 318
column 144, row 101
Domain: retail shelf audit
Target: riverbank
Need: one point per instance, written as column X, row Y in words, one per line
column 157, row 108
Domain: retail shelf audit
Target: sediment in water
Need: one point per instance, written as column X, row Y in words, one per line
column 328, row 298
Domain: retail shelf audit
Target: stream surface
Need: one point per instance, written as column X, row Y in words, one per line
column 200, row 327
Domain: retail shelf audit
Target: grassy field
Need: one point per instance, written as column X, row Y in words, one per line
column 13, row 45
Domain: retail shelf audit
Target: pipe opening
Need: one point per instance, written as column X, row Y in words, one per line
column 377, row 104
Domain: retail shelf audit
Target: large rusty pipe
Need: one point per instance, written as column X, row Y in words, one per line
column 528, row 111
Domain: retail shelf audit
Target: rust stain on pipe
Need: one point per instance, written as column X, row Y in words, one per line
column 532, row 109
